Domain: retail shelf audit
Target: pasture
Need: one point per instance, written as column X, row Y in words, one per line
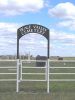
column 59, row 90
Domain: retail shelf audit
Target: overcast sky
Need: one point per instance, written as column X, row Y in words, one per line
column 57, row 15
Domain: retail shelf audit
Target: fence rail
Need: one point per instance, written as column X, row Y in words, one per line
column 51, row 65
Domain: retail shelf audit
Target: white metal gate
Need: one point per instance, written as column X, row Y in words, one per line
column 20, row 72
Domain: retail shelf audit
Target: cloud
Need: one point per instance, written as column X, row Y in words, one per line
column 8, row 37
column 68, row 24
column 35, row 43
column 29, row 42
column 8, row 27
column 61, row 38
column 62, row 43
column 17, row 7
column 63, row 11
column 60, row 35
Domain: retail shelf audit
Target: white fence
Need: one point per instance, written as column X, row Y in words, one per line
column 19, row 71
column 63, row 67
column 8, row 68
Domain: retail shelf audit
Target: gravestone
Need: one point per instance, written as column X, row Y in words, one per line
column 40, row 61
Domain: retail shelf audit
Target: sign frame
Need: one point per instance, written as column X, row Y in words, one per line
column 33, row 28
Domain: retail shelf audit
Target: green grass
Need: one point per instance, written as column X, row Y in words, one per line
column 23, row 96
column 37, row 90
column 36, row 96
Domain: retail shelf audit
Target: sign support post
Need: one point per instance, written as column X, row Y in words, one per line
column 17, row 83
column 47, row 74
column 48, row 65
column 32, row 28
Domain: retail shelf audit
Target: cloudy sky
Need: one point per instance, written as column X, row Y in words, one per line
column 57, row 15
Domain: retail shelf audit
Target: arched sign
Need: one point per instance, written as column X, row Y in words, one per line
column 32, row 28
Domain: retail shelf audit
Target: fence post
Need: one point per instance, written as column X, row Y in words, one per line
column 46, row 71
column 21, row 70
column 17, row 83
column 48, row 76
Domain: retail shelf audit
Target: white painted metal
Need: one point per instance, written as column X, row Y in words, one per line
column 34, row 73
column 24, row 61
column 62, row 61
column 46, row 71
column 21, row 71
column 55, row 80
column 34, row 80
column 17, row 83
column 8, row 73
column 34, row 67
column 7, row 79
column 62, row 73
column 2, row 60
column 7, row 67
column 37, row 73
column 62, row 80
column 61, row 67
column 10, row 69
column 48, row 76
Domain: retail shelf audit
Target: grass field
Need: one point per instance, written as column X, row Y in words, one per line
column 37, row 90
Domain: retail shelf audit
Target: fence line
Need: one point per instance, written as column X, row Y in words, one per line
column 62, row 60
column 61, row 67
column 46, row 73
